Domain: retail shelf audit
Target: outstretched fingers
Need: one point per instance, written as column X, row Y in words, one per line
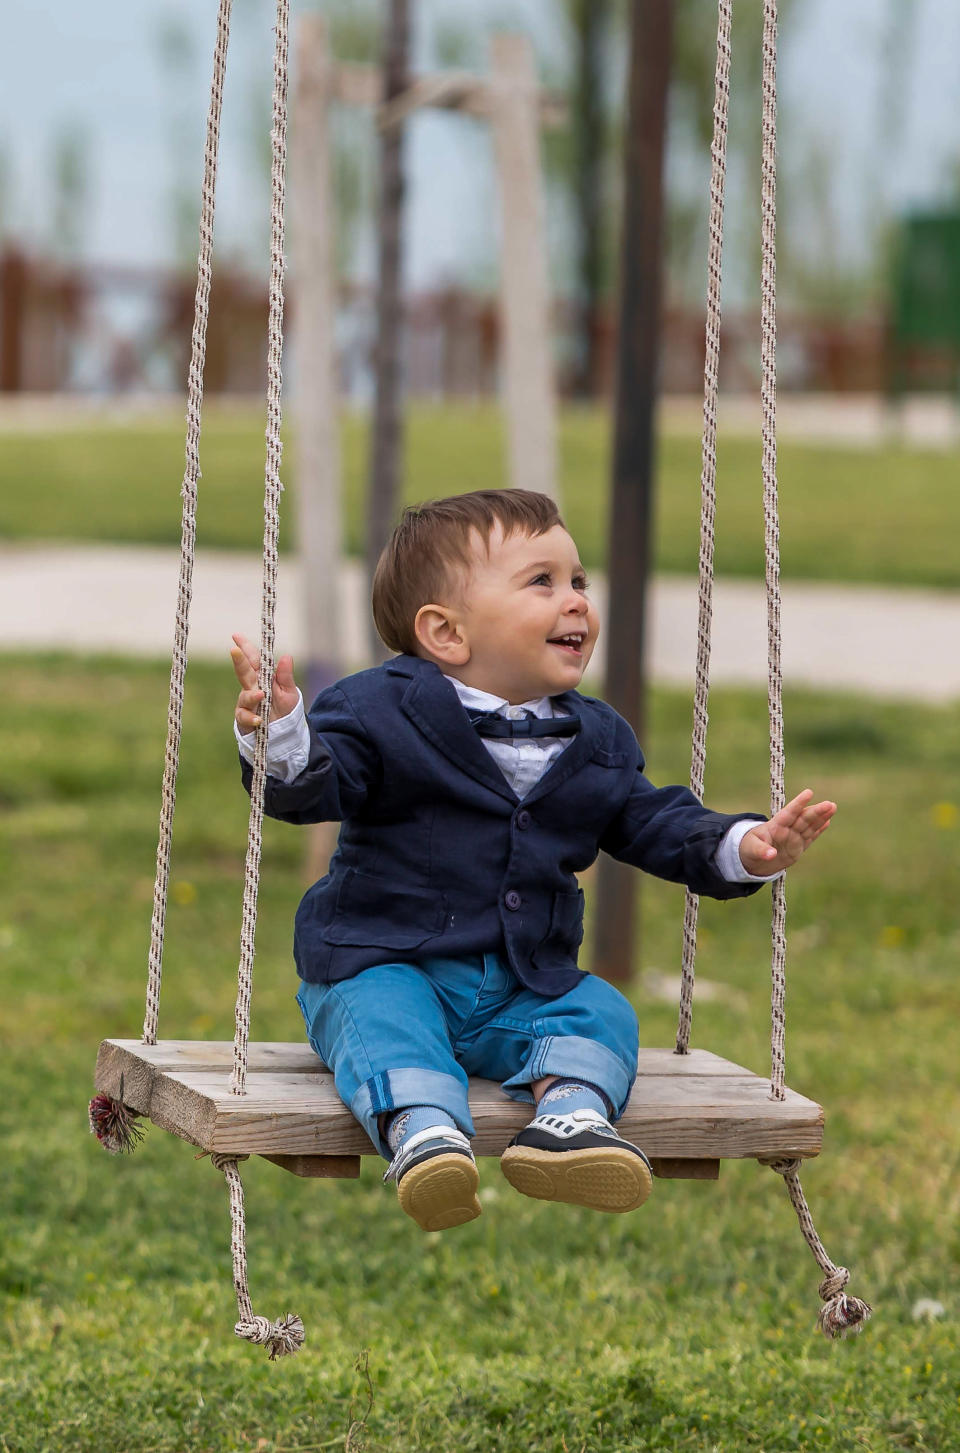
column 800, row 823
column 803, row 816
column 792, row 810
column 246, row 662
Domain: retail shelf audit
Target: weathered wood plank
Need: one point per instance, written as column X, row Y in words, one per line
column 672, row 1168
column 292, row 1057
column 279, row 1094
column 296, row 1057
column 682, row 1133
column 319, row 1167
column 684, row 1109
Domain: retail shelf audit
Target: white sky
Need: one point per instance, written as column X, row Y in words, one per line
column 95, row 68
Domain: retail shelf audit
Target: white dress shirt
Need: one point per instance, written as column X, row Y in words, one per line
column 522, row 760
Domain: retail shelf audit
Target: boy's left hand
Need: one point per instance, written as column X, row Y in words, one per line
column 777, row 844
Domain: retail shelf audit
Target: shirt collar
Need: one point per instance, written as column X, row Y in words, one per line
column 473, row 699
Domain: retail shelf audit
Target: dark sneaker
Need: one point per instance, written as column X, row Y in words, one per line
column 578, row 1158
column 436, row 1178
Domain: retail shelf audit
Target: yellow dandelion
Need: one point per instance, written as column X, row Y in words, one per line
column 183, row 892
column 891, row 936
column 945, row 815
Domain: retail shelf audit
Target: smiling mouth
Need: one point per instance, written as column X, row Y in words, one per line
column 572, row 643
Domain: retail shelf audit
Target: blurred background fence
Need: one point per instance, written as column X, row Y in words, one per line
column 117, row 328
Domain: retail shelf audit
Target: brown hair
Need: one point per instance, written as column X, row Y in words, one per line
column 433, row 539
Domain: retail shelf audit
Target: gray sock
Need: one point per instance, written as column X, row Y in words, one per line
column 566, row 1095
column 404, row 1123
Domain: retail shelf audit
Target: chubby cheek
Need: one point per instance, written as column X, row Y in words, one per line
column 593, row 627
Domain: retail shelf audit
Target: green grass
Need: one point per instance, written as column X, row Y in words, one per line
column 538, row 1328
column 875, row 515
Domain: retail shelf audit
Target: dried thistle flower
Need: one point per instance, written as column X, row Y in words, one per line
column 114, row 1124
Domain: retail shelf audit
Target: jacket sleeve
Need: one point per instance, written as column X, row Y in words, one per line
column 343, row 768
column 668, row 832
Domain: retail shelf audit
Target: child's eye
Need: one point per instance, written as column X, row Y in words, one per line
column 542, row 579
column 580, row 582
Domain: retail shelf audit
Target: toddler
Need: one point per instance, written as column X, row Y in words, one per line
column 472, row 782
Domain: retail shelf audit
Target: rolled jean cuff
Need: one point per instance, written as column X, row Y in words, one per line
column 399, row 1090
column 575, row 1059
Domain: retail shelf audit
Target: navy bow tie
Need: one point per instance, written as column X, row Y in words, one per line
column 491, row 724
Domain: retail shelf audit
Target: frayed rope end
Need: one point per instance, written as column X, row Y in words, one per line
column 114, row 1124
column 843, row 1316
column 283, row 1338
column 840, row 1315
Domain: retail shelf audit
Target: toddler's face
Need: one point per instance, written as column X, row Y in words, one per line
column 526, row 616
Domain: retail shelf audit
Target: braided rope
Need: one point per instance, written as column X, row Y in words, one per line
column 768, row 397
column 839, row 1314
column 708, row 485
column 188, row 528
column 284, row 1336
column 271, row 515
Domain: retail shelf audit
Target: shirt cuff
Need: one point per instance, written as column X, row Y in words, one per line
column 288, row 744
column 729, row 865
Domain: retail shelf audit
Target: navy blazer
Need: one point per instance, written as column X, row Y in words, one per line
column 439, row 856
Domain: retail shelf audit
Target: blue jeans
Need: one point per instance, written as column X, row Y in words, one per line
column 409, row 1034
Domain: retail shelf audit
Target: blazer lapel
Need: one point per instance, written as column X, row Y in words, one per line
column 433, row 706
column 579, row 751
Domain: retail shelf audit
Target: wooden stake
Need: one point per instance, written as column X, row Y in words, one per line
column 318, row 441
column 527, row 358
column 319, row 524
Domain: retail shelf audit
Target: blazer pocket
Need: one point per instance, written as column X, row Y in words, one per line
column 564, row 935
column 566, row 919
column 374, row 911
column 609, row 759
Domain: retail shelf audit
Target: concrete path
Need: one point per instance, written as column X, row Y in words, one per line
column 892, row 643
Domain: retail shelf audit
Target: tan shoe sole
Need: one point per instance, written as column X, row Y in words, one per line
column 440, row 1192
column 604, row 1179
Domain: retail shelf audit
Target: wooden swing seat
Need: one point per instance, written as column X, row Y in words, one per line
column 687, row 1111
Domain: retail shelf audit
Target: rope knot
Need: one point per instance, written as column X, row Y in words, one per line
column 784, row 1167
column 220, row 1159
column 833, row 1285
column 840, row 1315
column 283, row 1337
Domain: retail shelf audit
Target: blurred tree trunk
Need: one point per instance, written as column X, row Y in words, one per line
column 638, row 347
column 387, row 440
column 591, row 24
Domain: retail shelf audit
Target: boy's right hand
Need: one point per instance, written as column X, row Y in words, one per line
column 246, row 663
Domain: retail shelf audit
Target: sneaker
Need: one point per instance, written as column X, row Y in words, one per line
column 580, row 1159
column 436, row 1178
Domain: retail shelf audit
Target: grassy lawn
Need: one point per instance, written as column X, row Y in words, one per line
column 536, row 1329
column 879, row 515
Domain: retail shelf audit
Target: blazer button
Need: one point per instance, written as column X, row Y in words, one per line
column 512, row 900
column 522, row 818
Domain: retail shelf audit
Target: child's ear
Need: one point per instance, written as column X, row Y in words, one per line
column 441, row 636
